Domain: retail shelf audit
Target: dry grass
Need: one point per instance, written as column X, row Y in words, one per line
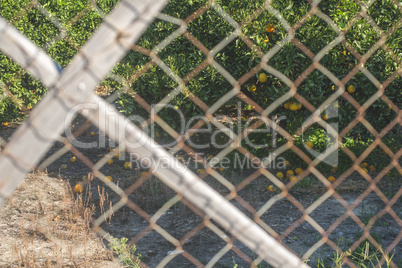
column 45, row 225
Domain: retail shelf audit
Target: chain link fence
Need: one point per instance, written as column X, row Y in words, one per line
column 186, row 204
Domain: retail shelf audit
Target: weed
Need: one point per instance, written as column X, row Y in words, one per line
column 365, row 257
column 125, row 252
column 48, row 229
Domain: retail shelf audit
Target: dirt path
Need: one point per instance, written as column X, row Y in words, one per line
column 178, row 221
column 42, row 225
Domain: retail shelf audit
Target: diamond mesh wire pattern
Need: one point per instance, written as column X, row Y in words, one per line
column 186, row 193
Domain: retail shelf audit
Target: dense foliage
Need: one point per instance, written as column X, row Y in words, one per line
column 181, row 56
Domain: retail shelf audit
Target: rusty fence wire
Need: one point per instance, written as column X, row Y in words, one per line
column 205, row 206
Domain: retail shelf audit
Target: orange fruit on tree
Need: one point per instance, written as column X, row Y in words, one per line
column 286, row 105
column 309, row 144
column 73, row 159
column 78, row 188
column 110, row 161
column 252, row 88
column 331, row 178
column 221, row 169
column 299, row 171
column 262, row 78
column 92, row 133
column 289, row 173
column 279, row 175
column 271, row 188
column 270, row 28
column 334, row 169
column 287, row 163
column 109, row 178
column 325, row 116
column 371, row 168
column 144, row 174
column 294, row 106
column 365, row 170
column 351, row 89
column 299, row 106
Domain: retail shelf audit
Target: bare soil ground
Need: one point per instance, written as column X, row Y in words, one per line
column 44, row 226
column 178, row 221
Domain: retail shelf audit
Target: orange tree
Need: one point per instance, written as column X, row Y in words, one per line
column 266, row 32
column 25, row 90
